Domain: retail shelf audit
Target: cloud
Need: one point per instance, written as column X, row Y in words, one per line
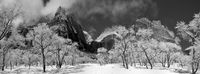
column 17, row 22
column 6, row 2
column 52, row 6
column 100, row 14
column 94, row 15
column 31, row 9
column 35, row 9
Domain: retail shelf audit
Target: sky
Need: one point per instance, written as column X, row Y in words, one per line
column 121, row 12
column 168, row 11
column 97, row 15
column 172, row 11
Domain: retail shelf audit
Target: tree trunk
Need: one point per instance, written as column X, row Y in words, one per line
column 6, row 29
column 29, row 62
column 181, row 63
column 73, row 60
column 126, row 63
column 139, row 62
column 43, row 60
column 59, row 65
column 131, row 63
column 163, row 62
column 123, row 62
column 168, row 60
column 6, row 66
column 60, row 59
column 4, row 57
column 132, row 60
column 135, row 64
column 194, row 64
column 16, row 62
column 145, row 63
column 125, row 56
column 10, row 65
column 195, row 67
column 148, row 60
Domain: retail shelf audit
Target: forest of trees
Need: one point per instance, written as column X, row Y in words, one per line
column 146, row 43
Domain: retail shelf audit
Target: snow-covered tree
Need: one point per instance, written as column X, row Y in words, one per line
column 42, row 38
column 5, row 48
column 183, row 59
column 190, row 32
column 29, row 58
column 7, row 17
column 123, row 46
column 147, row 45
column 7, row 45
column 61, row 47
column 152, row 38
column 168, row 52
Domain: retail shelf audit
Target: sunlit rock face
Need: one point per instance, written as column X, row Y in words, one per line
column 159, row 32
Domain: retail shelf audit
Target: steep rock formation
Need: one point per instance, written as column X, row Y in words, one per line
column 65, row 25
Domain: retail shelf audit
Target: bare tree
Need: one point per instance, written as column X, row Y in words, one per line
column 123, row 45
column 147, row 45
column 167, row 52
column 7, row 16
column 190, row 32
column 6, row 45
column 61, row 47
column 42, row 38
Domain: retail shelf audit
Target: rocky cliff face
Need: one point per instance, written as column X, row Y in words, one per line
column 65, row 26
column 160, row 32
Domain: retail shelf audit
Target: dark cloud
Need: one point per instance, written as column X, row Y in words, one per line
column 45, row 2
column 34, row 10
column 93, row 15
column 99, row 14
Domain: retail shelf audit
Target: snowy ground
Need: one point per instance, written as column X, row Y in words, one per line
column 88, row 69
column 117, row 69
